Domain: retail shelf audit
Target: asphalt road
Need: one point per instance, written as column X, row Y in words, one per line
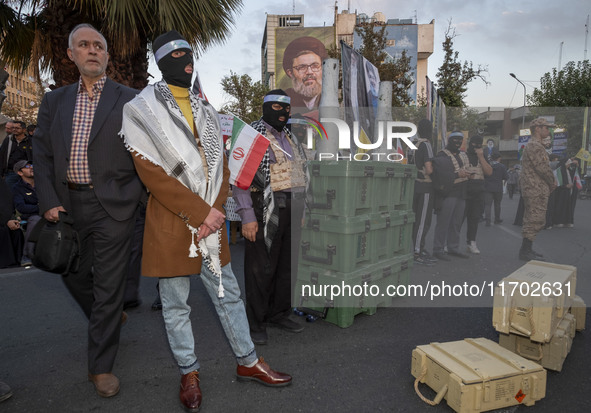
column 363, row 368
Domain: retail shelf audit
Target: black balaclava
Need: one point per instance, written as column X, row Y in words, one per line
column 270, row 115
column 425, row 129
column 475, row 142
column 454, row 142
column 173, row 68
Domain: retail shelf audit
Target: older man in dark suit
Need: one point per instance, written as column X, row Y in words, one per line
column 84, row 169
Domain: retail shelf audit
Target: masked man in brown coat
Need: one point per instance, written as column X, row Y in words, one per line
column 179, row 156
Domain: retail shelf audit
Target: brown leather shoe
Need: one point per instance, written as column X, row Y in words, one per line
column 106, row 384
column 262, row 373
column 190, row 392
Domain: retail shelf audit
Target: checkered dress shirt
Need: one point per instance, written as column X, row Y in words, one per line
column 78, row 171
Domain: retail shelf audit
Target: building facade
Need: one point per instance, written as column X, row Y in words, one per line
column 415, row 39
column 22, row 89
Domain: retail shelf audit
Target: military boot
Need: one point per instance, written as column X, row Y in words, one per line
column 526, row 253
column 536, row 254
column 539, row 257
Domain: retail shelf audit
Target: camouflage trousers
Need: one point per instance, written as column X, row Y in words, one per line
column 534, row 217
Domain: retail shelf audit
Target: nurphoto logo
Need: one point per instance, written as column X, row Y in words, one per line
column 387, row 130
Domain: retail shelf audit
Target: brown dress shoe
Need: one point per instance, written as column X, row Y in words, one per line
column 190, row 392
column 106, row 384
column 262, row 373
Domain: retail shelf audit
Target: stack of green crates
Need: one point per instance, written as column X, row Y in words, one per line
column 357, row 234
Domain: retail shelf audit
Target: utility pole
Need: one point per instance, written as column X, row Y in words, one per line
column 560, row 56
column 524, row 92
column 586, row 37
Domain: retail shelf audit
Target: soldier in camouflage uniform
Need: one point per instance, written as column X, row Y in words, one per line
column 537, row 182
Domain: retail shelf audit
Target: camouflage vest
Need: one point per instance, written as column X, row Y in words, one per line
column 456, row 164
column 286, row 173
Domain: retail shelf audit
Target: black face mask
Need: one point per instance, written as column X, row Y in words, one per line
column 271, row 116
column 173, row 70
column 454, row 145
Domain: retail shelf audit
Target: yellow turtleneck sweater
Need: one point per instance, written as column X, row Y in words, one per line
column 181, row 95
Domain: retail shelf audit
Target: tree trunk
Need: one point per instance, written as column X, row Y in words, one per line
column 130, row 70
column 61, row 19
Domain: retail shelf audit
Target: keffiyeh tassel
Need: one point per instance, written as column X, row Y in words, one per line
column 209, row 253
column 193, row 247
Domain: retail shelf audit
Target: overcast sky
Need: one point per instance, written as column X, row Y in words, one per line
column 519, row 36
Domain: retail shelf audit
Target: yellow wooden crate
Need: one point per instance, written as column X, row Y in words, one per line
column 477, row 375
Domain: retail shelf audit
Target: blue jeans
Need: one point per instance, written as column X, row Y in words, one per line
column 174, row 293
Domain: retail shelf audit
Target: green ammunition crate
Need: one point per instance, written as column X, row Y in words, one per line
column 348, row 243
column 368, row 289
column 350, row 188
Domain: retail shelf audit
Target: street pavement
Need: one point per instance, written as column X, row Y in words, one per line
column 363, row 368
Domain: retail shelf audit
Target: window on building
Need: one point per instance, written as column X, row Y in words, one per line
column 287, row 21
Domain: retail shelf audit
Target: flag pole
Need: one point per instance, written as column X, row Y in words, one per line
column 275, row 145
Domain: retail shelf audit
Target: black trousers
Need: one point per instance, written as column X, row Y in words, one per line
column 132, row 283
column 562, row 206
column 472, row 213
column 422, row 205
column 489, row 199
column 573, row 203
column 98, row 284
column 267, row 275
column 519, row 213
column 11, row 246
column 511, row 189
column 550, row 210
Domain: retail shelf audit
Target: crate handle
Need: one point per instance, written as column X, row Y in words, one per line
column 522, row 330
column 440, row 394
column 330, row 251
column 527, row 356
column 330, row 195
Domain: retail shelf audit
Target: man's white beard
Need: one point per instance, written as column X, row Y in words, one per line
column 308, row 91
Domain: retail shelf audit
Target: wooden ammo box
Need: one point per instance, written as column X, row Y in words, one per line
column 532, row 300
column 579, row 310
column 349, row 243
column 476, row 375
column 350, row 188
column 550, row 355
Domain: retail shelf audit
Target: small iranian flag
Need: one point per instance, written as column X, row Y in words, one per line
column 247, row 148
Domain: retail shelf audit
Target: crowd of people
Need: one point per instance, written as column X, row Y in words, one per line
column 19, row 199
column 468, row 186
column 144, row 176
column 163, row 207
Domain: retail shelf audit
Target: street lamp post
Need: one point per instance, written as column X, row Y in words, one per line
column 522, row 84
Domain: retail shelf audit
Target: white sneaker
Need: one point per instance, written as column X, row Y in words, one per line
column 473, row 248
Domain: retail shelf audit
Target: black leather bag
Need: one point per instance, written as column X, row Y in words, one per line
column 57, row 246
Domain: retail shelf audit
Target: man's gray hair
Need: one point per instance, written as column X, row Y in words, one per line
column 82, row 26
